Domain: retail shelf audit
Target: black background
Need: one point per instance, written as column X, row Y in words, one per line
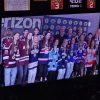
column 44, row 8
column 86, row 88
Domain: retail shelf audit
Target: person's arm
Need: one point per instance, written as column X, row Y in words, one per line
column 94, row 57
column 50, row 57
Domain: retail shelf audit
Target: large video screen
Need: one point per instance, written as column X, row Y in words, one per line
column 50, row 47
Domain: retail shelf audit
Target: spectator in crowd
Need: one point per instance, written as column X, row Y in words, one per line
column 24, row 57
column 70, row 61
column 53, row 61
column 44, row 57
column 33, row 60
column 90, row 58
column 62, row 60
column 61, row 36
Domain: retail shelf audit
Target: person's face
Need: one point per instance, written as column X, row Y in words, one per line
column 73, row 40
column 90, row 36
column 36, row 40
column 82, row 38
column 48, row 36
column 26, row 33
column 61, row 31
column 36, row 31
column 56, row 43
column 16, row 36
column 8, row 32
column 80, row 30
column 29, row 36
column 70, row 30
column 65, row 42
column 35, row 44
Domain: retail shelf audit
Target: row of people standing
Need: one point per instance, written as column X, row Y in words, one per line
column 33, row 57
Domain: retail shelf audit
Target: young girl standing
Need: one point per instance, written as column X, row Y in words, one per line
column 53, row 61
column 43, row 57
column 81, row 54
column 70, row 61
column 24, row 57
column 62, row 60
column 33, row 61
column 9, row 62
column 90, row 58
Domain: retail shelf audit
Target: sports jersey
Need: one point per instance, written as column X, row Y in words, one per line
column 44, row 55
column 69, row 37
column 23, row 51
column 17, row 54
column 76, row 46
column 33, row 58
column 71, row 56
column 8, row 53
column 53, row 59
column 81, row 54
column 62, row 58
column 90, row 57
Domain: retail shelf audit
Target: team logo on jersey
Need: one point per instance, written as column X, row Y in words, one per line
column 91, row 3
column 56, row 4
column 13, row 57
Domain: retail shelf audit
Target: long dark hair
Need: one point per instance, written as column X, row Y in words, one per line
column 29, row 43
column 55, row 41
column 49, row 41
column 90, row 46
column 36, row 28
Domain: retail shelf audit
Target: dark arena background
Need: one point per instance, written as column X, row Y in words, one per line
column 50, row 49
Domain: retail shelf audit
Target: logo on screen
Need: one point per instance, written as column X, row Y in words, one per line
column 56, row 4
column 75, row 3
column 91, row 3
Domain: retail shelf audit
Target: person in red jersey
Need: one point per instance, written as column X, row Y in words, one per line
column 24, row 57
column 16, row 49
column 9, row 62
column 90, row 58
